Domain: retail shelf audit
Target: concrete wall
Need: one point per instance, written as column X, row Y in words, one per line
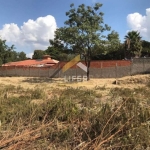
column 137, row 66
column 140, row 66
column 110, row 72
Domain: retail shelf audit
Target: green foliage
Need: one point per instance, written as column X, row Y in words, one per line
column 145, row 48
column 84, row 33
column 133, row 43
column 83, row 30
column 113, row 43
column 38, row 54
column 110, row 49
column 54, row 53
column 21, row 56
column 57, row 51
column 8, row 54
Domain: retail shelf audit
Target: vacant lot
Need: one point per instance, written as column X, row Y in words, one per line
column 30, row 82
column 100, row 114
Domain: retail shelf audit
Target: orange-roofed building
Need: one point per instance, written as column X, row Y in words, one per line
column 45, row 62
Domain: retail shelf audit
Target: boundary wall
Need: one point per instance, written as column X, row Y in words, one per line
column 98, row 69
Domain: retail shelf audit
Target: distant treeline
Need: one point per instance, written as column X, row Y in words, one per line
column 59, row 52
column 8, row 54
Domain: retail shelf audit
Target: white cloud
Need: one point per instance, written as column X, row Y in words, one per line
column 33, row 34
column 29, row 55
column 140, row 23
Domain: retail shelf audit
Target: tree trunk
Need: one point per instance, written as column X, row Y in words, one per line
column 88, row 70
column 88, row 63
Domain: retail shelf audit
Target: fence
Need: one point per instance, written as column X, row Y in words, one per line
column 107, row 69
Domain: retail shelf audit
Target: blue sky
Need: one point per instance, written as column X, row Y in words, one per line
column 29, row 24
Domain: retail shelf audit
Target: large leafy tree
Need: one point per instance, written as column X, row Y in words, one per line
column 58, row 51
column 133, row 43
column 145, row 48
column 38, row 54
column 113, row 42
column 55, row 49
column 83, row 30
column 7, row 54
column 3, row 48
column 110, row 48
column 21, row 56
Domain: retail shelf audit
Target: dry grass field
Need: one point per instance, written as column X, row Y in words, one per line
column 31, row 82
column 50, row 114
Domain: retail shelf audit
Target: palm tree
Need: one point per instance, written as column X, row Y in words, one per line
column 133, row 44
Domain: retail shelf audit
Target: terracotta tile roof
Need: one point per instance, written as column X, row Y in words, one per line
column 32, row 62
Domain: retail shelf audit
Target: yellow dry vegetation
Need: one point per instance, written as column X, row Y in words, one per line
column 32, row 82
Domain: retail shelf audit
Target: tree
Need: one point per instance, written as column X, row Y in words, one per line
column 111, row 47
column 3, row 48
column 58, row 51
column 113, row 43
column 22, row 56
column 54, row 49
column 133, row 43
column 145, row 48
column 7, row 54
column 54, row 53
column 83, row 30
column 38, row 54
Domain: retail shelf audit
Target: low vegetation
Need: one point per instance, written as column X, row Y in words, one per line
column 74, row 118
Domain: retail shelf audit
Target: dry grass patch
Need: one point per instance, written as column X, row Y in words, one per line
column 88, row 115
